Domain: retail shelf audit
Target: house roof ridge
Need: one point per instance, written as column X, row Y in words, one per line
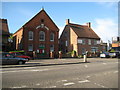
column 76, row 24
column 83, row 31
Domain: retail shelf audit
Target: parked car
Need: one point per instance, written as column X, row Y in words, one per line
column 8, row 58
column 104, row 55
column 17, row 54
column 114, row 54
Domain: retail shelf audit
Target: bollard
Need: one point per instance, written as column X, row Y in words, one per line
column 85, row 58
column 60, row 54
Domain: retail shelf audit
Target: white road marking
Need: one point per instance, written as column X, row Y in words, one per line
column 116, row 62
column 64, row 80
column 66, row 84
column 86, row 66
column 9, row 71
column 23, row 86
column 101, row 85
column 95, row 83
column 87, row 76
column 16, row 87
column 105, row 73
column 37, row 84
column 77, row 78
column 104, row 63
column 115, row 71
column 52, row 87
column 85, row 81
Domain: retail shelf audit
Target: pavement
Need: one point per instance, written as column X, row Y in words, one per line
column 49, row 62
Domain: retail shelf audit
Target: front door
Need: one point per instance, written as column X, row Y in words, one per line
column 41, row 48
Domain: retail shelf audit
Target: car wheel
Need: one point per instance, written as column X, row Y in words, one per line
column 20, row 62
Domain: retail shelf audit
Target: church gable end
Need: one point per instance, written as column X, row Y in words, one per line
column 41, row 20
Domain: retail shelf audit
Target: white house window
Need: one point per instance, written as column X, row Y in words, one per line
column 51, row 48
column 51, row 36
column 42, row 36
column 30, row 35
column 98, row 41
column 95, row 42
column 30, row 47
column 94, row 49
column 89, row 41
column 66, row 43
column 81, row 41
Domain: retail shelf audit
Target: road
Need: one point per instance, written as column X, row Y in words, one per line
column 97, row 74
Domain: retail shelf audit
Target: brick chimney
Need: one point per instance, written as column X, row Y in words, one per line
column 67, row 21
column 89, row 24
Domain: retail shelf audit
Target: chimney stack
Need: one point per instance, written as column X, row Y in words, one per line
column 89, row 24
column 67, row 21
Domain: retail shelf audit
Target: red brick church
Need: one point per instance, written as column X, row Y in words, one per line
column 39, row 35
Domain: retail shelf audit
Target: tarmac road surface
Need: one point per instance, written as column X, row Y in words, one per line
column 101, row 73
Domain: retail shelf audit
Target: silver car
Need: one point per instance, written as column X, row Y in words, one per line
column 104, row 55
column 8, row 58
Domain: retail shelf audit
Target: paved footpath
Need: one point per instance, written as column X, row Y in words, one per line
column 48, row 62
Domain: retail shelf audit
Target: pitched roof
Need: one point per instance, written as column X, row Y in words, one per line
column 46, row 14
column 4, row 28
column 35, row 17
column 83, row 31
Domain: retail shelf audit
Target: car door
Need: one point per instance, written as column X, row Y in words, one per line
column 9, row 59
column 4, row 58
column 12, row 59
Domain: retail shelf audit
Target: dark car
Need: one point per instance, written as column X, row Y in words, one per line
column 8, row 58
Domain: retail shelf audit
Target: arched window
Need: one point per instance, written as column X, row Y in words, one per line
column 51, row 36
column 30, row 35
column 42, row 36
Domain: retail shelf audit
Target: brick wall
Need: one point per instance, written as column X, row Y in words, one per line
column 32, row 26
column 73, row 40
column 18, row 37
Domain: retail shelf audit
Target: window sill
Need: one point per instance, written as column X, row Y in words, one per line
column 52, row 40
column 41, row 40
column 30, row 39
